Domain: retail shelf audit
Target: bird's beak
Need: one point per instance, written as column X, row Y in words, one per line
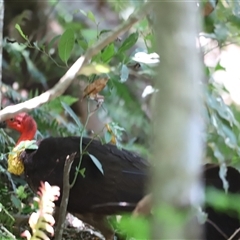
column 3, row 124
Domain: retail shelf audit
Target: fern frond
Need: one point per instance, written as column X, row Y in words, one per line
column 42, row 221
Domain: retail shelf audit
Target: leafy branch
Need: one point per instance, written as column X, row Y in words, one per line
column 76, row 69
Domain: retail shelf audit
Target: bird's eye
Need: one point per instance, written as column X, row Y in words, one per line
column 11, row 119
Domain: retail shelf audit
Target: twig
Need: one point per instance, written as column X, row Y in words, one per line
column 75, row 69
column 234, row 234
column 217, row 228
column 80, row 149
column 65, row 196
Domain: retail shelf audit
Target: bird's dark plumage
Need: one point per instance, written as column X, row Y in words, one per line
column 123, row 180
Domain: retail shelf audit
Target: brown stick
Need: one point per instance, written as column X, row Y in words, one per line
column 65, row 196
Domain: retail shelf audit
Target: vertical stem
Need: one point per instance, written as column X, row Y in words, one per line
column 177, row 122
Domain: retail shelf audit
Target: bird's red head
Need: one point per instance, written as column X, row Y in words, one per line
column 24, row 124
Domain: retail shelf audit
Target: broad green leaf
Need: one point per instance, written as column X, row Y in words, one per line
column 97, row 163
column 66, row 44
column 129, row 42
column 72, row 114
column 124, row 73
column 108, row 53
column 17, row 26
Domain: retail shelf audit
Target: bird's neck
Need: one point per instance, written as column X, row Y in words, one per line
column 29, row 130
column 25, row 136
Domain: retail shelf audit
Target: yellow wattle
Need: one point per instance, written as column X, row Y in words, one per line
column 15, row 165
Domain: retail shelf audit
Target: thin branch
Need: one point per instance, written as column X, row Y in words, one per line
column 234, row 234
column 65, row 196
column 217, row 228
column 75, row 69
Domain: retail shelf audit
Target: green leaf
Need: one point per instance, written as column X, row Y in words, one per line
column 219, row 67
column 72, row 114
column 17, row 26
column 137, row 228
column 105, row 31
column 91, row 16
column 21, row 192
column 107, row 137
column 124, row 73
column 66, row 44
column 83, row 12
column 83, row 44
column 97, row 163
column 129, row 42
column 16, row 202
column 108, row 53
column 82, row 172
column 27, row 145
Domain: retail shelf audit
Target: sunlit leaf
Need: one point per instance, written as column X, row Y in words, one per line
column 95, row 69
column 17, row 26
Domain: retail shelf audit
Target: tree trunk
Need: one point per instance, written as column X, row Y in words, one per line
column 177, row 124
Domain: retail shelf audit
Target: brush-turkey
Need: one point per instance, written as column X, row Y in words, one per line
column 97, row 195
column 122, row 181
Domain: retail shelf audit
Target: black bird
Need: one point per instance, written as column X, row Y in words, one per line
column 117, row 190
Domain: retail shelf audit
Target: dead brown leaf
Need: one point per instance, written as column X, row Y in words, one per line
column 94, row 88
